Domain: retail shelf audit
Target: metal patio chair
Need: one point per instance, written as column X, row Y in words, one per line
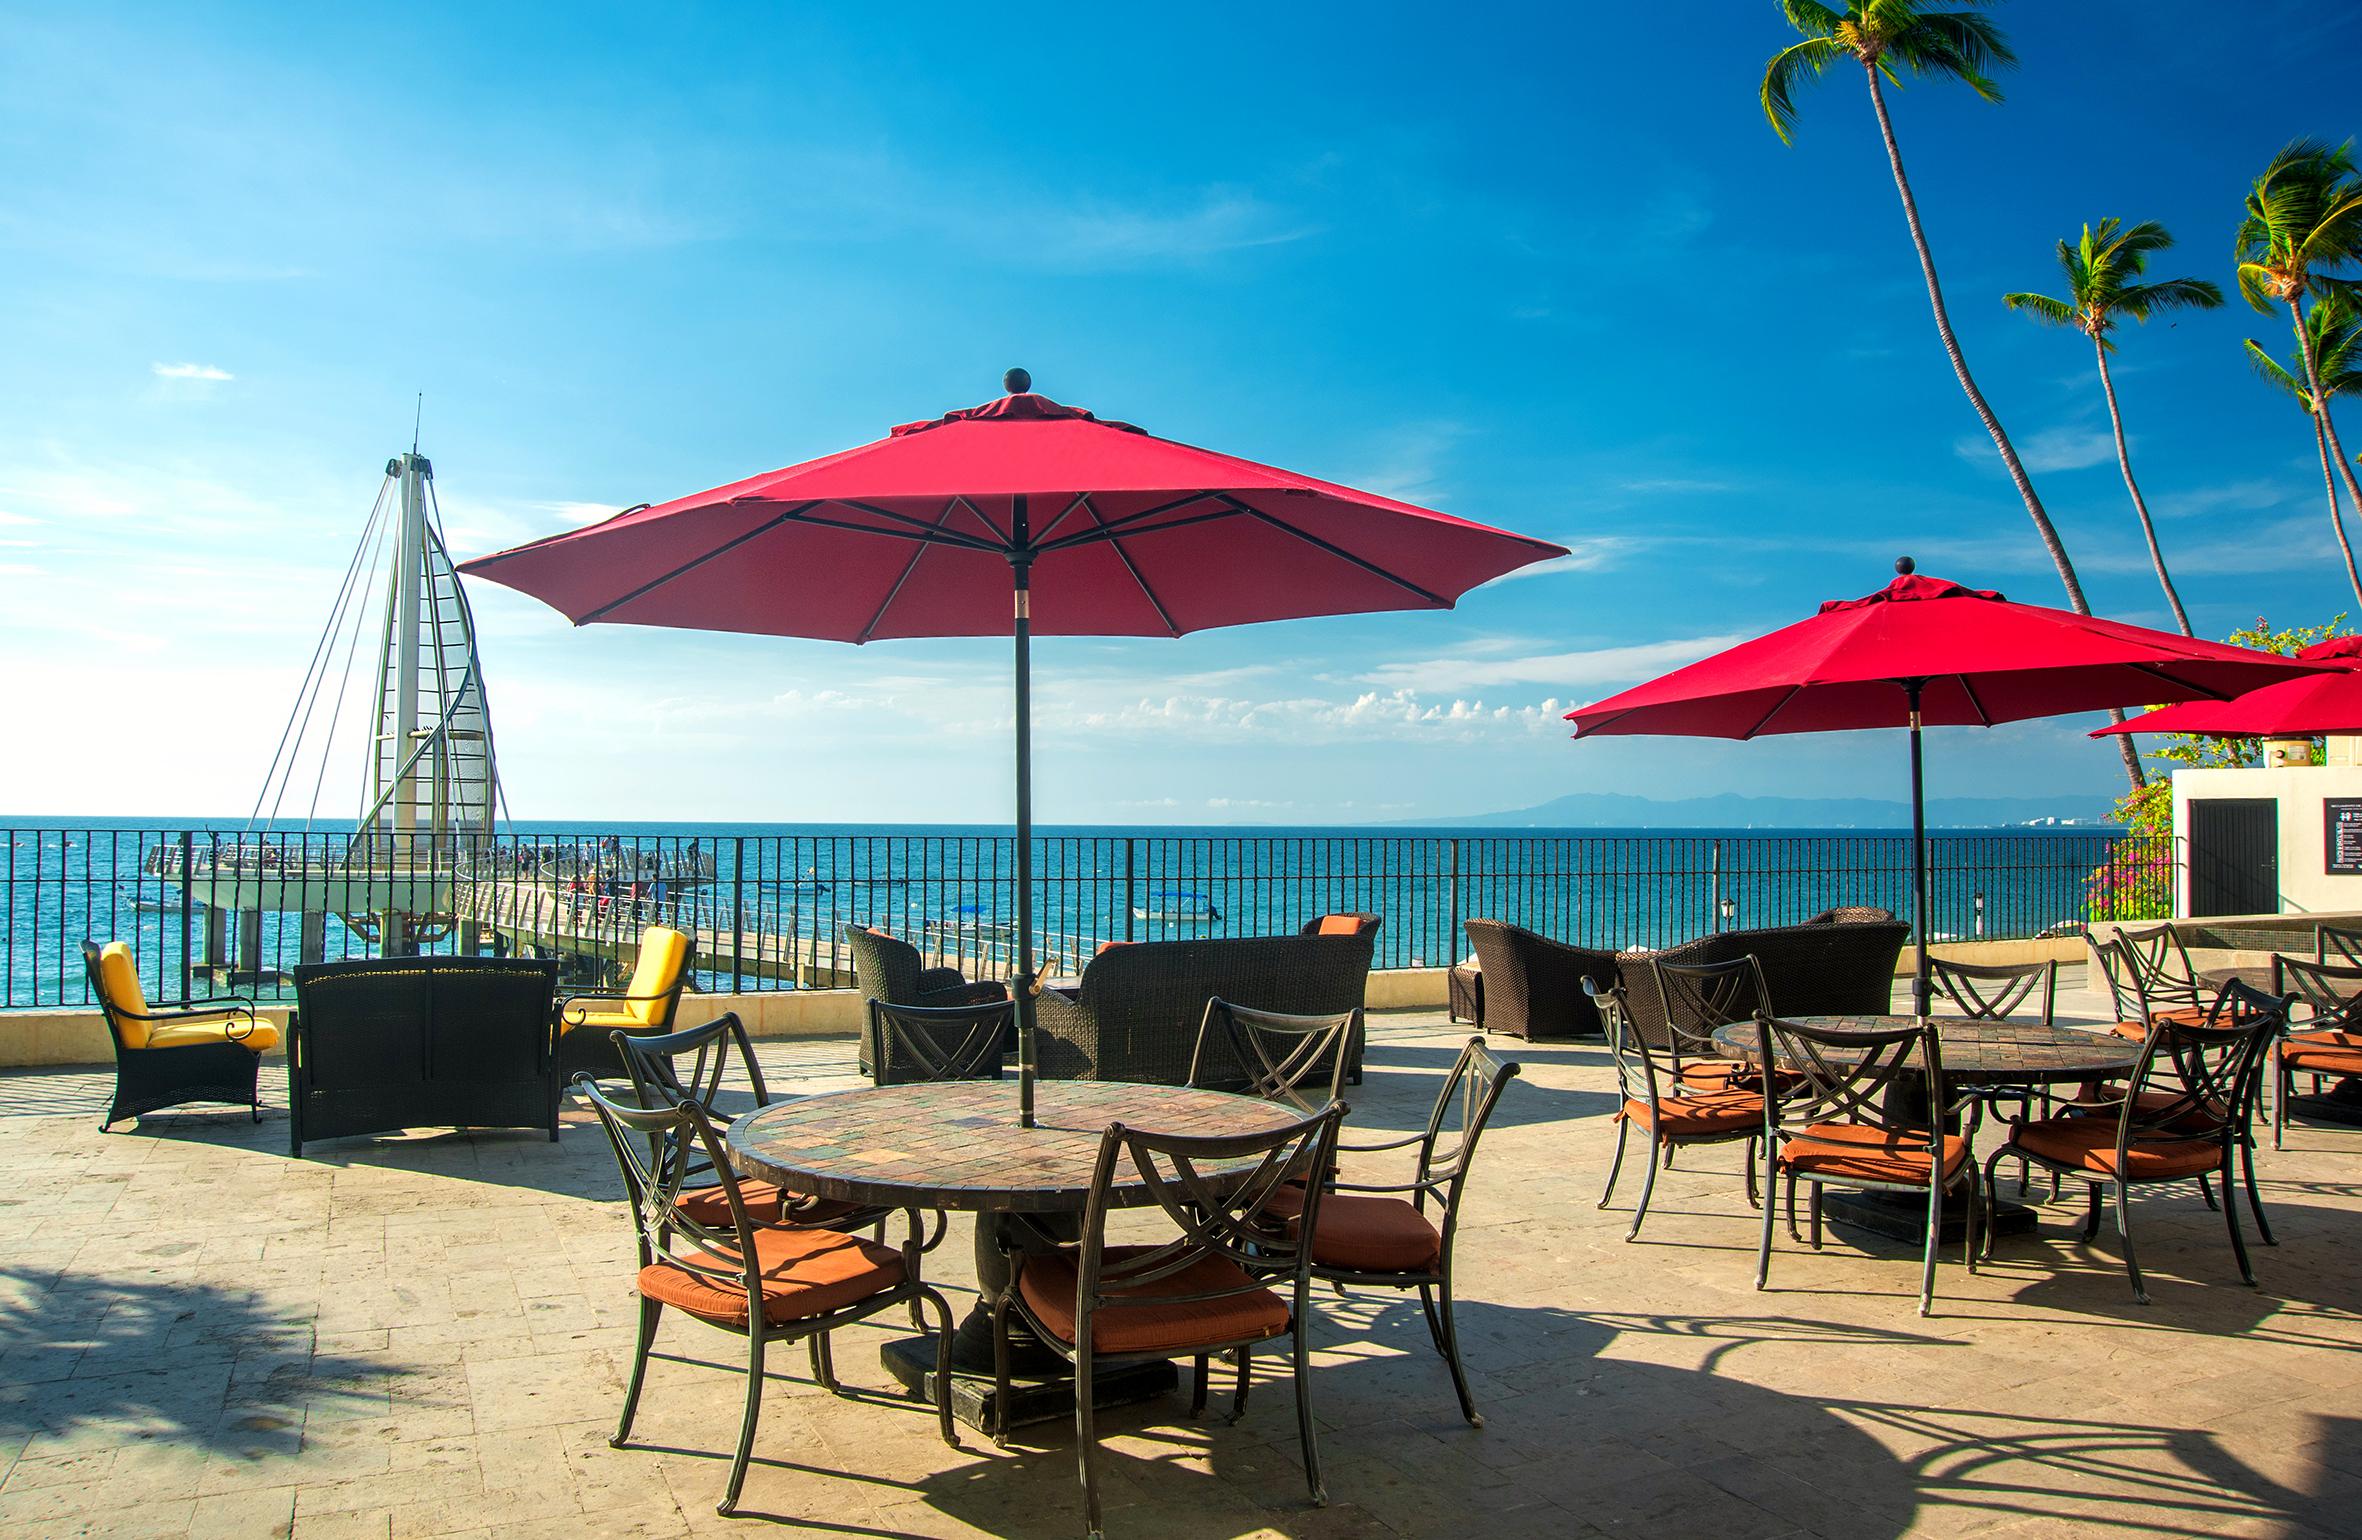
column 761, row 1282
column 2331, row 1042
column 1866, row 1114
column 1672, row 1113
column 1273, row 1055
column 1203, row 1292
column 2181, row 1115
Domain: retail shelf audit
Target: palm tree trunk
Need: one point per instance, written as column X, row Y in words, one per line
column 1976, row 399
column 2328, row 428
column 2140, row 504
column 2337, row 521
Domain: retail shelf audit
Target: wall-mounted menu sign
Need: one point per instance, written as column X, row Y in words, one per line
column 2341, row 853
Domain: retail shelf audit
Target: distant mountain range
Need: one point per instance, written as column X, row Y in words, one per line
column 1617, row 810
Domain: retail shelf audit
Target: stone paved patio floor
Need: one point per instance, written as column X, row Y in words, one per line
column 426, row 1335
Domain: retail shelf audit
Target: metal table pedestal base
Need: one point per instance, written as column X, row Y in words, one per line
column 1900, row 1217
column 1041, row 1384
column 2342, row 1103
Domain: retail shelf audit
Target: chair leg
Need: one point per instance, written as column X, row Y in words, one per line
column 1427, row 1313
column 1451, row 1355
column 1978, row 1211
column 1754, row 1199
column 1763, row 1246
column 2231, row 1218
column 1086, row 1439
column 746, row 1428
column 649, row 1310
column 2206, row 1189
column 824, row 1364
column 1794, row 1234
column 2281, row 1081
column 943, row 1421
column 1616, row 1165
column 2255, row 1201
column 2140, row 1290
column 1197, row 1386
column 1935, row 1233
column 1238, row 1400
column 1814, row 1214
column 1648, row 1185
column 2091, row 1220
column 1993, row 1189
column 1000, row 1371
column 1304, row 1429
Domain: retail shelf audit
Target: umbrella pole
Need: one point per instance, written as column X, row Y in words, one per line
column 1021, row 576
column 1918, row 856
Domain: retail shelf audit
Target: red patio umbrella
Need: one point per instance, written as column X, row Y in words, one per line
column 1926, row 652
column 2291, row 708
column 1013, row 517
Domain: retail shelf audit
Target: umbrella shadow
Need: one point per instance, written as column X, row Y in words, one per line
column 170, row 1362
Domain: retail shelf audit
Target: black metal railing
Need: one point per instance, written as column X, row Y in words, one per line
column 225, row 911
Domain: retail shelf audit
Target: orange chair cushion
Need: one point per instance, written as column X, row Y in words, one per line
column 1690, row 1117
column 804, row 1273
column 765, row 1204
column 1366, row 1233
column 1106, row 947
column 2089, row 1144
column 1339, row 925
column 2324, row 1053
column 1855, row 1151
column 1139, row 1321
column 663, row 951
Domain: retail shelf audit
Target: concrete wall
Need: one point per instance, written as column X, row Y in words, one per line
column 2305, row 884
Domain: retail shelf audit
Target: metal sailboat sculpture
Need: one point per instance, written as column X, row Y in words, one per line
column 431, row 795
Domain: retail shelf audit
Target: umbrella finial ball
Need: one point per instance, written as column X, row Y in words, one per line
column 1905, row 565
column 1016, row 382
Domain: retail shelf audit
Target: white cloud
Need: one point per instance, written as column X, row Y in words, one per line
column 2246, row 496
column 2051, row 449
column 1399, row 714
column 1593, row 667
column 205, row 372
column 1582, row 556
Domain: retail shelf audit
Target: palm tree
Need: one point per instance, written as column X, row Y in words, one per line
column 1891, row 39
column 2104, row 287
column 2302, row 238
column 2333, row 331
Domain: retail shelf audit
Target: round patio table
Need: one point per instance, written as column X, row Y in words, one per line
column 956, row 1144
column 1978, row 1055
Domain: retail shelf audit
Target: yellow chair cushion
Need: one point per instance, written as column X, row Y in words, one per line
column 600, row 1021
column 662, row 951
column 215, row 1029
column 118, row 980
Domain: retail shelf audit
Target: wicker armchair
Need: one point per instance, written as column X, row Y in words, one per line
column 645, row 1007
column 190, row 1051
column 890, row 969
column 1533, row 986
column 1845, row 968
column 1852, row 914
column 1136, row 1013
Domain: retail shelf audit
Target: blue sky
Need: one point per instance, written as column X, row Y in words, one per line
column 1530, row 269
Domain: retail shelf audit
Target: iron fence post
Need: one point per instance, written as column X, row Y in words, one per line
column 1131, row 885
column 1451, row 939
column 738, row 913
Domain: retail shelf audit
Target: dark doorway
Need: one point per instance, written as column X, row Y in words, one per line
column 2234, row 855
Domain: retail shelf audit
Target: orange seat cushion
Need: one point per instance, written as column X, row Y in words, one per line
column 1339, row 925
column 1367, row 1233
column 1858, row 1152
column 765, row 1204
column 1141, row 1322
column 2089, row 1144
column 1690, row 1117
column 804, row 1273
column 2324, row 1053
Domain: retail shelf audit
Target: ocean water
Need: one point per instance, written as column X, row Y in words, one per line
column 952, row 886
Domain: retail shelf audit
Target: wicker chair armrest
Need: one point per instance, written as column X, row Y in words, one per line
column 932, row 979
column 182, row 1010
column 572, row 1001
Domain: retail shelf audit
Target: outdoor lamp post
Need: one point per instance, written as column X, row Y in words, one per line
column 1730, row 907
column 1980, row 914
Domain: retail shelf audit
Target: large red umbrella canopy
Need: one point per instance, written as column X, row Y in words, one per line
column 1984, row 660
column 1129, row 535
column 2292, row 708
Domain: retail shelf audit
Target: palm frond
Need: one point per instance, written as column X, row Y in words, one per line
column 1812, row 18
column 1796, row 63
column 1959, row 44
column 2255, row 286
column 2141, row 301
column 2044, row 308
column 2272, row 371
column 2134, row 244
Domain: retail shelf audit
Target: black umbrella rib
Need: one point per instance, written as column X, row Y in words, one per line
column 1984, row 717
column 999, row 535
column 1112, row 527
column 1080, row 500
column 1115, row 543
column 799, row 514
column 1777, row 707
column 1341, row 553
column 2156, row 671
column 920, row 549
column 933, row 534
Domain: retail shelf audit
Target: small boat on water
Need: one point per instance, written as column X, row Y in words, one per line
column 1176, row 906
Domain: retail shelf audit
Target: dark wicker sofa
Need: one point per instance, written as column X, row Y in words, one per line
column 1842, row 968
column 379, row 1044
column 1533, row 986
column 1136, row 1013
